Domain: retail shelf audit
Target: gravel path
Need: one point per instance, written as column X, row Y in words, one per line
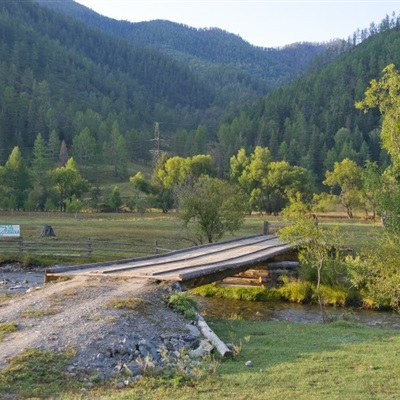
column 78, row 314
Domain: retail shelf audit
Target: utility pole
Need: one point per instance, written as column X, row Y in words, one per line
column 156, row 145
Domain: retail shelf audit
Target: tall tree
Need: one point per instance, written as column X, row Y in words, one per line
column 385, row 95
column 346, row 176
column 40, row 167
column 84, row 147
column 116, row 151
column 53, row 146
column 40, row 161
column 63, row 155
column 176, row 171
column 115, row 199
column 210, row 209
column 68, row 182
column 16, row 179
column 250, row 173
column 313, row 242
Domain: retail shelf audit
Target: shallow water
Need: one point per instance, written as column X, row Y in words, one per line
column 212, row 307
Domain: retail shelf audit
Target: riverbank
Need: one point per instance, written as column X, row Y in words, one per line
column 274, row 359
column 287, row 361
column 229, row 309
column 89, row 332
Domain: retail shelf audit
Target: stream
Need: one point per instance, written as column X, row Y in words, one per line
column 14, row 281
column 213, row 307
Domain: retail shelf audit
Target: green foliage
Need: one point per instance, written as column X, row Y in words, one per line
column 183, row 303
column 84, row 147
column 36, row 374
column 335, row 296
column 316, row 245
column 297, row 291
column 346, row 175
column 178, row 171
column 16, row 179
column 385, row 95
column 73, row 205
column 6, row 327
column 268, row 184
column 115, row 199
column 376, row 274
column 68, row 182
column 238, row 293
column 210, row 208
column 140, row 183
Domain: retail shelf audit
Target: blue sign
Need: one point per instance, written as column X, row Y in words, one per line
column 10, row 231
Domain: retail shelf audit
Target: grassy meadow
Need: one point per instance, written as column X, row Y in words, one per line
column 155, row 225
column 295, row 361
column 133, row 230
column 340, row 360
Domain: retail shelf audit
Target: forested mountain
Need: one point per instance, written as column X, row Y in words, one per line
column 57, row 74
column 251, row 67
column 313, row 122
column 71, row 74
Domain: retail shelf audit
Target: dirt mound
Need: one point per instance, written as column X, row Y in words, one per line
column 110, row 322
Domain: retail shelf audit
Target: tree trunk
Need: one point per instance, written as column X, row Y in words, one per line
column 212, row 337
column 47, row 231
column 320, row 300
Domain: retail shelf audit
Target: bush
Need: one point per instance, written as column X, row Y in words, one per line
column 334, row 296
column 183, row 303
column 297, row 291
column 239, row 293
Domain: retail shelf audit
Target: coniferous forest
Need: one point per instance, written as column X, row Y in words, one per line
column 74, row 83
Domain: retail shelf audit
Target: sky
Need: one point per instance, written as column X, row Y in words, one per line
column 265, row 23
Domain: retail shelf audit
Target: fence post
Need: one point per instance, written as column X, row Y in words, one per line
column 156, row 247
column 266, row 227
column 20, row 245
column 89, row 247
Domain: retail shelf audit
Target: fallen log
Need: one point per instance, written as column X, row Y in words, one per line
column 212, row 337
column 253, row 273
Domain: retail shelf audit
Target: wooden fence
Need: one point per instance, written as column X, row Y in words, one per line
column 88, row 248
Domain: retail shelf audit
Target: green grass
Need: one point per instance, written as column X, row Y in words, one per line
column 129, row 228
column 239, row 293
column 290, row 361
column 37, row 374
column 183, row 303
column 157, row 226
column 39, row 313
column 134, row 305
column 5, row 328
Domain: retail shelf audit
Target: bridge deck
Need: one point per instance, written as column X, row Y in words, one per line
column 189, row 265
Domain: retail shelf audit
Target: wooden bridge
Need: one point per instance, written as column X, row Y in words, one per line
column 192, row 267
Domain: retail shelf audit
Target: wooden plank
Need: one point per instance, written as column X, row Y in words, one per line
column 194, row 267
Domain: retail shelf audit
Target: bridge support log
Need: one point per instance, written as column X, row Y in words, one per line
column 212, row 337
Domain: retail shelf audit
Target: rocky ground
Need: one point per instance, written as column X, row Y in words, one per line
column 111, row 323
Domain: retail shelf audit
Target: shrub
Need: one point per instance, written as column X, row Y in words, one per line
column 239, row 293
column 334, row 296
column 297, row 291
column 183, row 303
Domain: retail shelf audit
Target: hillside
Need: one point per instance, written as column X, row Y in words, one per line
column 59, row 74
column 53, row 67
column 109, row 82
column 313, row 122
column 207, row 49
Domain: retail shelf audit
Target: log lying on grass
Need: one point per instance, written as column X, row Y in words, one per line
column 212, row 337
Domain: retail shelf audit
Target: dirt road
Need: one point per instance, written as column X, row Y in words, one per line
column 81, row 313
